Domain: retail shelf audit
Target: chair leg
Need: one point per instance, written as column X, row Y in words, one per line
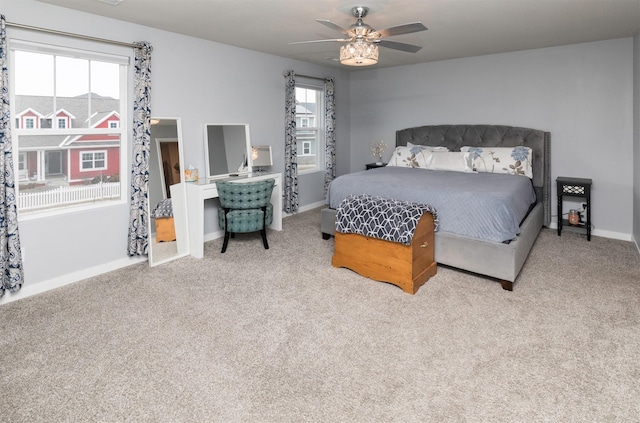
column 226, row 241
column 263, row 231
column 226, row 231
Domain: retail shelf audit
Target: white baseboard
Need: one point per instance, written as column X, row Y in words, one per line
column 29, row 290
column 306, row 208
column 635, row 241
column 603, row 234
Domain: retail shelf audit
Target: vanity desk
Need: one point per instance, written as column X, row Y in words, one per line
column 198, row 192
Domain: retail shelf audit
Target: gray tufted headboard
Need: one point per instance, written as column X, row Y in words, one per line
column 455, row 136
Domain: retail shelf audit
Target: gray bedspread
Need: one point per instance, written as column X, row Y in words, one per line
column 486, row 206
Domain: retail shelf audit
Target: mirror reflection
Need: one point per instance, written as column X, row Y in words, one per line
column 226, row 148
column 168, row 237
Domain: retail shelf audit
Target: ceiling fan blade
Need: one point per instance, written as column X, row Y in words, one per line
column 321, row 41
column 332, row 25
column 409, row 48
column 402, row 29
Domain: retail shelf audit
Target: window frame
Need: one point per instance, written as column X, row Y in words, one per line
column 34, row 42
column 306, row 148
column 93, row 160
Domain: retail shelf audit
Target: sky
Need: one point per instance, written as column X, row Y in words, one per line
column 34, row 75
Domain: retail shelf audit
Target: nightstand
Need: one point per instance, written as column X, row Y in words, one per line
column 574, row 187
column 374, row 165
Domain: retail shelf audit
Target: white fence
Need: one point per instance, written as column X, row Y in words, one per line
column 66, row 195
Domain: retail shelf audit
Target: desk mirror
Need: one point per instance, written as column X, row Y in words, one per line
column 227, row 149
column 168, row 237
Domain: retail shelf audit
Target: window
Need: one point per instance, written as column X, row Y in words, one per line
column 93, row 160
column 306, row 148
column 22, row 167
column 73, row 142
column 310, row 127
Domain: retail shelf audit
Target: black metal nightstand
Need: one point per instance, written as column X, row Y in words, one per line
column 574, row 187
column 374, row 165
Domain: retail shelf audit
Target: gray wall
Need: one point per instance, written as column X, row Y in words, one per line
column 636, row 140
column 582, row 94
column 197, row 80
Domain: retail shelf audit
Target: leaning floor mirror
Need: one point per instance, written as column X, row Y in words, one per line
column 167, row 194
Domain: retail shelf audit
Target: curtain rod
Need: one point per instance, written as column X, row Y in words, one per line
column 69, row 34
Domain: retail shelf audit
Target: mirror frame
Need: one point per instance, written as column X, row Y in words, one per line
column 245, row 167
column 178, row 196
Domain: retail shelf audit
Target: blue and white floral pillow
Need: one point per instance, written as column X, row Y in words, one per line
column 413, row 156
column 511, row 160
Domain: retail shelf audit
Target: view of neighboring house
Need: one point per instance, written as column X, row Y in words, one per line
column 306, row 134
column 46, row 160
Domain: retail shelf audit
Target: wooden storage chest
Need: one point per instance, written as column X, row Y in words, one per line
column 407, row 266
column 165, row 229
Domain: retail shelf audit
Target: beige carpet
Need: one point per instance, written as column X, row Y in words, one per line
column 279, row 335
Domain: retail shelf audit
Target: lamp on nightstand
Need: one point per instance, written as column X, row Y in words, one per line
column 261, row 156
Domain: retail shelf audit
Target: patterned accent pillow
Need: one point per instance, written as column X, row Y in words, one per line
column 511, row 160
column 451, row 161
column 412, row 155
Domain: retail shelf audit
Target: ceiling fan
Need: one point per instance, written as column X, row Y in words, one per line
column 363, row 41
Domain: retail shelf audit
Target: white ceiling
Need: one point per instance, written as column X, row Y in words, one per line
column 457, row 28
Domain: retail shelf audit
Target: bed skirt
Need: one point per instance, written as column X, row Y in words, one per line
column 493, row 259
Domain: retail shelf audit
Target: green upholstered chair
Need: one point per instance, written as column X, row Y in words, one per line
column 245, row 207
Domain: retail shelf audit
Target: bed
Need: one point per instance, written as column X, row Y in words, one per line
column 499, row 259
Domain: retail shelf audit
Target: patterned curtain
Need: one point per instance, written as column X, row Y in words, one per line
column 290, row 191
column 10, row 254
column 139, row 208
column 330, row 135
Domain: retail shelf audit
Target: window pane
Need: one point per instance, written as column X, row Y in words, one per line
column 72, row 76
column 309, row 133
column 51, row 176
column 33, row 74
column 104, row 79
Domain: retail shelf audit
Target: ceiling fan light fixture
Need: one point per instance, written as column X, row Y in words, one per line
column 359, row 53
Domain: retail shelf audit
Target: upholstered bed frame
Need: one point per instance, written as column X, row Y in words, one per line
column 497, row 260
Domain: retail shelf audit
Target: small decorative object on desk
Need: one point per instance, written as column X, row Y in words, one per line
column 191, row 174
column 377, row 149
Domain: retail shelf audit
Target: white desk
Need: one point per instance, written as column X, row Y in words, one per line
column 197, row 192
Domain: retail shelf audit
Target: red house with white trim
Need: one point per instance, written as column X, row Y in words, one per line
column 71, row 160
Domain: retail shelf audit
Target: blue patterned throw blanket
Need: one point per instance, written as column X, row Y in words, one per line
column 163, row 209
column 381, row 218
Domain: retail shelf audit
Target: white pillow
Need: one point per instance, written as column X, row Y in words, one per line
column 511, row 160
column 427, row 147
column 409, row 157
column 451, row 161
